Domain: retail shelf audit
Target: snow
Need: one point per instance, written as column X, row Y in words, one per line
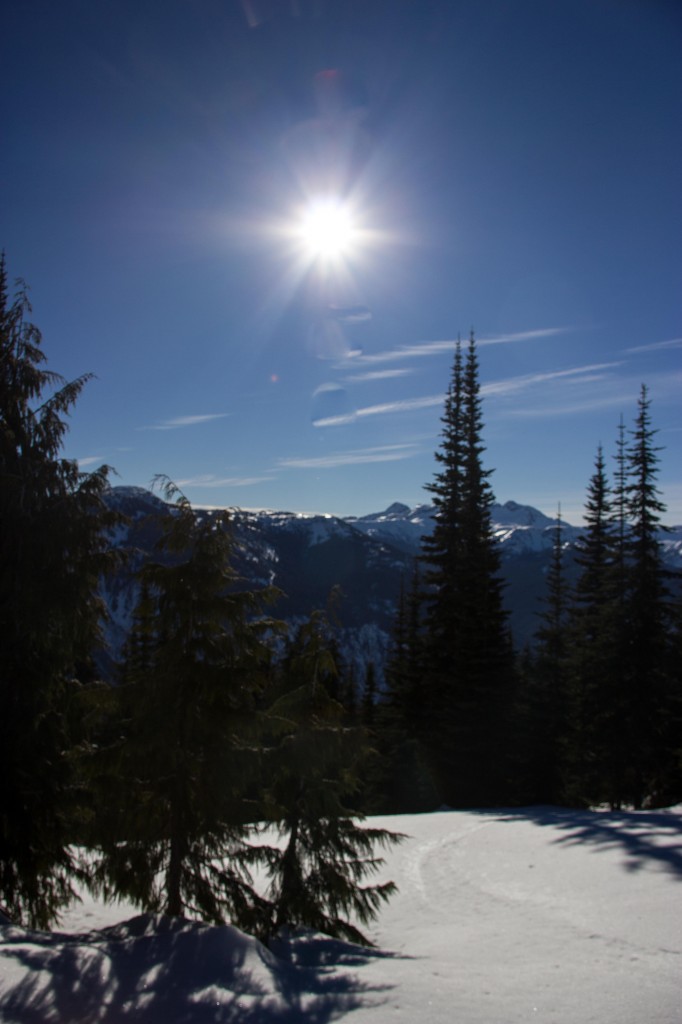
column 513, row 514
column 538, row 914
column 318, row 528
column 517, row 528
column 671, row 545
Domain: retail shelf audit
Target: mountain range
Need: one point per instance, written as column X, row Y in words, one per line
column 306, row 556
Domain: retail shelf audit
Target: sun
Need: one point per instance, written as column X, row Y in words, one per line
column 326, row 229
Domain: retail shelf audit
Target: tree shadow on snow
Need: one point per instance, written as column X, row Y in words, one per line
column 644, row 837
column 180, row 972
column 315, row 951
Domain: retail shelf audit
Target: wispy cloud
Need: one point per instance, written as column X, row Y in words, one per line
column 383, row 453
column 422, row 349
column 577, row 374
column 505, row 339
column 342, row 420
column 211, row 480
column 592, row 373
column 656, row 346
column 185, row 421
column 401, row 405
column 359, row 378
column 91, row 460
column 580, row 390
column 418, row 351
column 386, row 408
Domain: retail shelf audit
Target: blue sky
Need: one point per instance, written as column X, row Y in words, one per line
column 512, row 166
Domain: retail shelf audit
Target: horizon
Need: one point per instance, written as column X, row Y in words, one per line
column 511, row 169
column 325, row 513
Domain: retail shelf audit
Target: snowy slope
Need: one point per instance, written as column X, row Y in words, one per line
column 671, row 543
column 502, row 916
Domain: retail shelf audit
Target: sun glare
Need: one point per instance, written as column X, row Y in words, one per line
column 326, row 229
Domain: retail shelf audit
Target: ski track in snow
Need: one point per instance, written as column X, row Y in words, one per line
column 502, row 916
column 508, row 927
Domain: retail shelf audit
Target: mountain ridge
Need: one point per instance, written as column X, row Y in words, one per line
column 364, row 559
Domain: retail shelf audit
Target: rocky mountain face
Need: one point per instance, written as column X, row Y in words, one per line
column 307, row 556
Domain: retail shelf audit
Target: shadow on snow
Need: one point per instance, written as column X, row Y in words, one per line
column 644, row 837
column 165, row 971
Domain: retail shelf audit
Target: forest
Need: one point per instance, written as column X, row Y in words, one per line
column 223, row 725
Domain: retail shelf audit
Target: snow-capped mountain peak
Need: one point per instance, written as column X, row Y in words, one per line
column 518, row 527
column 513, row 514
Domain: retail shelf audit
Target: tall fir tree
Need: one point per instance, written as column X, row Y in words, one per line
column 648, row 617
column 52, row 551
column 177, row 782
column 469, row 680
column 442, row 548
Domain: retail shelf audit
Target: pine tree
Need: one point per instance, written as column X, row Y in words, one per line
column 469, row 678
column 401, row 779
column 52, row 551
column 619, row 510
column 594, row 755
column 405, row 668
column 442, row 548
column 648, row 613
column 313, row 773
column 177, row 784
column 622, row 744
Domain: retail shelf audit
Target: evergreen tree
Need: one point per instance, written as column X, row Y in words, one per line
column 177, row 783
column 596, row 548
column 52, row 551
column 442, row 548
column 648, row 611
column 619, row 511
column 313, row 773
column 401, row 780
column 622, row 741
column 405, row 669
column 594, row 753
column 470, row 676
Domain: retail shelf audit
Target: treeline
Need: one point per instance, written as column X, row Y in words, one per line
column 225, row 728
column 591, row 713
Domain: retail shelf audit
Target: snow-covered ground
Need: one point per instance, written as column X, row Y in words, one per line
column 538, row 915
